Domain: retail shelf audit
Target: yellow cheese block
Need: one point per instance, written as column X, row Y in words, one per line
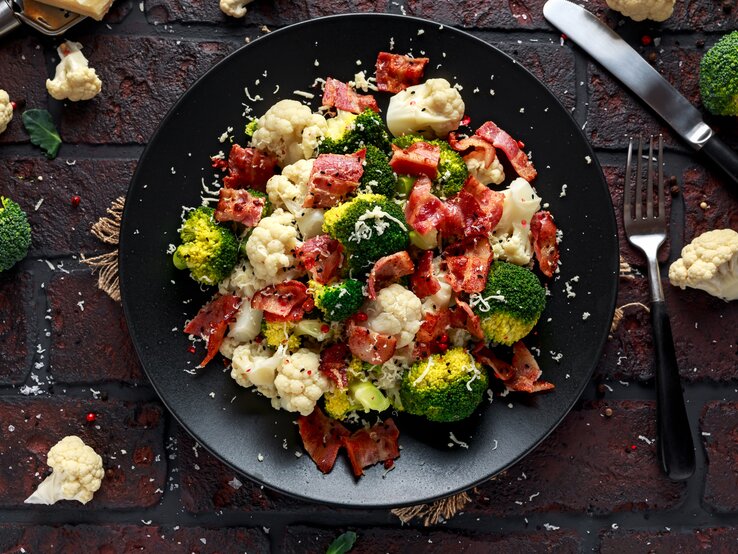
column 95, row 9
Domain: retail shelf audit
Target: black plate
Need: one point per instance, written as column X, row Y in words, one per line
column 237, row 425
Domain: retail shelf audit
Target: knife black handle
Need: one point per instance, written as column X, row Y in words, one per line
column 721, row 154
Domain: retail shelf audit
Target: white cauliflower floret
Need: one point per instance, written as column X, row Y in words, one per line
column 6, row 110
column 77, row 472
column 74, row 79
column 271, row 248
column 299, row 384
column 709, row 263
column 242, row 281
column 442, row 298
column 290, row 131
column 638, row 10
column 234, row 8
column 289, row 191
column 397, row 312
column 255, row 365
column 247, row 324
column 510, row 239
column 494, row 174
column 432, row 109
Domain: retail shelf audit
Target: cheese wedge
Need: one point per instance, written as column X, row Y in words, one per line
column 95, row 9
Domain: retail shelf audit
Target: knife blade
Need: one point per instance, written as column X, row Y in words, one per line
column 627, row 65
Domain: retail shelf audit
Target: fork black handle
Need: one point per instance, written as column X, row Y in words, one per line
column 676, row 448
column 721, row 154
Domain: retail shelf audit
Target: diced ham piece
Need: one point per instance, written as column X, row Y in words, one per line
column 474, row 210
column 420, row 158
column 463, row 317
column 340, row 95
column 423, row 283
column 211, row 323
column 333, row 364
column 321, row 437
column 370, row 346
column 543, row 232
column 500, row 139
column 522, row 374
column 286, row 301
column 367, row 447
column 333, row 177
column 388, row 270
column 248, row 168
column 424, row 211
column 481, row 150
column 239, row 205
column 322, row 257
column 468, row 264
column 396, row 72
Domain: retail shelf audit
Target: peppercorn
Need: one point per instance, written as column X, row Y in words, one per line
column 75, row 201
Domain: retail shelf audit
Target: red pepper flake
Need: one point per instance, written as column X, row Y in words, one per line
column 75, row 201
column 646, row 40
column 521, row 144
column 443, row 338
column 563, row 36
column 91, row 417
column 324, row 328
column 633, row 447
column 361, row 316
column 465, row 120
column 191, row 349
column 13, row 105
column 523, row 222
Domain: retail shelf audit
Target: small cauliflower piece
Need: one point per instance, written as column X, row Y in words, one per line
column 248, row 323
column 271, row 248
column 74, row 80
column 289, row 190
column 638, row 10
column 254, row 365
column 441, row 299
column 289, row 131
column 299, row 384
column 709, row 263
column 397, row 312
column 234, row 8
column 77, row 472
column 492, row 175
column 242, row 281
column 510, row 239
column 6, row 110
column 432, row 109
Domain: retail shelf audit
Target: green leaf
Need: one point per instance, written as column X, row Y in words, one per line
column 43, row 133
column 342, row 544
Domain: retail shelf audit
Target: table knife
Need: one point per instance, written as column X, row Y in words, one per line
column 612, row 52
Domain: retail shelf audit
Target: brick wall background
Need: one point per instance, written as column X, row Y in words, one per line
column 593, row 484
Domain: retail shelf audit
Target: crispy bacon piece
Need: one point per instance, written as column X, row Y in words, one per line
column 480, row 149
column 423, row 282
column 366, row 447
column 322, row 257
column 286, row 301
column 333, row 177
column 340, row 95
column 500, row 139
column 370, row 346
column 463, row 317
column 248, row 168
column 424, row 211
column 420, row 158
column 543, row 232
column 211, row 322
column 522, row 374
column 468, row 264
column 239, row 205
column 322, row 438
column 474, row 210
column 396, row 72
column 434, row 325
column 387, row 270
column 333, row 364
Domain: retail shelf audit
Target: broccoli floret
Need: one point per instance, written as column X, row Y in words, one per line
column 452, row 170
column 268, row 206
column 719, row 76
column 208, row 250
column 15, row 233
column 251, row 127
column 350, row 134
column 444, row 387
column 277, row 333
column 370, row 226
column 339, row 301
column 510, row 304
column 378, row 176
column 359, row 396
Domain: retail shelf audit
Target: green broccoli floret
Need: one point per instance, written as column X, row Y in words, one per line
column 444, row 387
column 15, row 233
column 277, row 333
column 351, row 134
column 251, row 127
column 339, row 301
column 378, row 176
column 719, row 76
column 268, row 206
column 369, row 226
column 208, row 250
column 510, row 304
column 359, row 396
column 452, row 170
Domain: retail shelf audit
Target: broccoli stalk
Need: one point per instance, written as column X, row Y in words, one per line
column 452, row 170
column 360, row 395
column 277, row 333
column 15, row 233
column 719, row 76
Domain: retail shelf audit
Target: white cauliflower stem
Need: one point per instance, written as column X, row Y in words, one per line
column 6, row 110
column 77, row 472
column 396, row 312
column 494, row 174
column 709, row 263
column 289, row 191
column 510, row 239
column 74, row 80
column 271, row 248
column 432, row 109
column 638, row 10
column 234, row 8
column 290, row 131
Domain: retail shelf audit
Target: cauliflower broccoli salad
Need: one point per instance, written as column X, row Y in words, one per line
column 360, row 264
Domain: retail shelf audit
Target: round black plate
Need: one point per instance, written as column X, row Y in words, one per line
column 240, row 427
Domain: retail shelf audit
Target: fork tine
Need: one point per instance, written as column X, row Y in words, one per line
column 649, row 182
column 627, row 208
column 639, row 180
column 661, row 197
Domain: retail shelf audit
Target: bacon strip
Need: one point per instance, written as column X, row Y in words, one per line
column 340, row 95
column 387, row 270
column 322, row 438
column 543, row 232
column 463, row 317
column 248, row 168
column 366, row 447
column 434, row 325
column 333, row 364
column 211, row 323
column 286, row 301
column 322, row 257
column 423, row 282
column 333, row 177
column 369, row 346
column 396, row 72
column 500, row 139
column 480, row 149
column 420, row 158
column 522, row 374
column 474, row 210
column 468, row 264
column 239, row 205
column 424, row 211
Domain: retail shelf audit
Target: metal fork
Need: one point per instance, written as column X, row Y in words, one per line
column 647, row 232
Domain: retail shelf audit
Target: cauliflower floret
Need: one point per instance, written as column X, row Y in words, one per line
column 638, row 10
column 432, row 109
column 709, row 263
column 511, row 237
column 255, row 365
column 74, row 79
column 242, row 281
column 290, row 131
column 234, row 8
column 289, row 191
column 271, row 248
column 494, row 174
column 248, row 323
column 77, row 472
column 6, row 110
column 298, row 382
column 397, row 312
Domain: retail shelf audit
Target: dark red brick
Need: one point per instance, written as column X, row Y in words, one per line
column 705, row 15
column 59, row 228
column 89, row 345
column 299, row 540
column 497, row 14
column 719, row 195
column 719, row 425
column 590, row 464
column 115, row 539
column 720, row 541
column 17, row 329
column 119, row 10
column 41, row 422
